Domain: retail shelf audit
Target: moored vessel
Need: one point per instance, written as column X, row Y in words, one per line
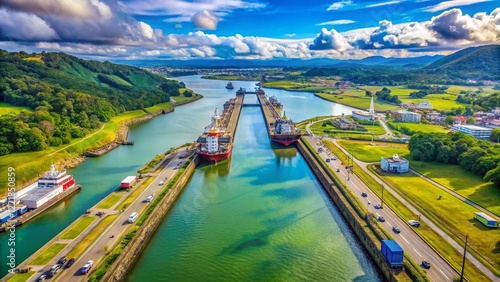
column 285, row 132
column 229, row 85
column 214, row 144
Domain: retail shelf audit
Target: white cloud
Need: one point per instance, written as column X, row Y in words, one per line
column 290, row 34
column 384, row 3
column 339, row 5
column 330, row 40
column 24, row 27
column 453, row 3
column 337, row 22
column 205, row 20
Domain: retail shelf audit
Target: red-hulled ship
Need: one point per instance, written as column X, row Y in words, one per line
column 285, row 132
column 214, row 145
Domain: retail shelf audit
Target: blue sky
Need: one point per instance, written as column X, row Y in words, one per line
column 163, row 29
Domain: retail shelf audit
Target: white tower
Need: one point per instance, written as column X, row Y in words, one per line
column 372, row 107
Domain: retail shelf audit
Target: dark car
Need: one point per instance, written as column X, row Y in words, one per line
column 70, row 262
column 364, row 194
column 426, row 264
column 338, row 169
column 42, row 278
column 62, row 260
column 396, row 229
column 377, row 206
column 327, row 160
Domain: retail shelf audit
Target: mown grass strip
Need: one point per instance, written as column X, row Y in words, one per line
column 21, row 277
column 91, row 236
column 48, row 254
column 135, row 194
column 78, row 227
column 110, row 201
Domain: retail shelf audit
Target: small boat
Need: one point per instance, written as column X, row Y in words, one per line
column 229, row 85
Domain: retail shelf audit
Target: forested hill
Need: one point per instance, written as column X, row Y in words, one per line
column 69, row 97
column 476, row 63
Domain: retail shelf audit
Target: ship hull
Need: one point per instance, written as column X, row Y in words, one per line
column 214, row 157
column 285, row 140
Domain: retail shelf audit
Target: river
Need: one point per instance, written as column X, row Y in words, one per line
column 285, row 218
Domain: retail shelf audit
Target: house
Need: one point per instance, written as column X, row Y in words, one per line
column 477, row 132
column 406, row 116
column 395, row 164
column 344, row 123
column 362, row 115
column 460, row 120
column 434, row 117
column 425, row 105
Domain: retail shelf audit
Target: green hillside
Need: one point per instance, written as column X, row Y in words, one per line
column 68, row 97
column 475, row 63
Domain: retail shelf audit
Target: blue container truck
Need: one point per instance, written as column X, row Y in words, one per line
column 4, row 216
column 21, row 209
column 392, row 252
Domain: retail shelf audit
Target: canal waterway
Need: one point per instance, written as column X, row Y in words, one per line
column 99, row 176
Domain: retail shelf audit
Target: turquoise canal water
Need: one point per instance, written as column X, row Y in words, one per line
column 260, row 217
column 99, row 176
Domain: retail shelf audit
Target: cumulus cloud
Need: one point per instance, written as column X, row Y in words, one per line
column 290, row 34
column 450, row 28
column 339, row 5
column 205, row 20
column 24, row 27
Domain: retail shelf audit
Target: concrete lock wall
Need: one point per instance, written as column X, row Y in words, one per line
column 130, row 254
column 373, row 247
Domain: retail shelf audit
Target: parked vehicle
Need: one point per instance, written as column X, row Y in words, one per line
column 86, row 268
column 70, row 262
column 426, row 264
column 396, row 229
column 414, row 223
column 62, row 260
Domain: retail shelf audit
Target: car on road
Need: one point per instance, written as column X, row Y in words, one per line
column 380, row 218
column 327, row 160
column 70, row 262
column 161, row 183
column 42, row 278
column 62, row 260
column 333, row 158
column 414, row 223
column 364, row 194
column 426, row 264
column 86, row 268
column 377, row 206
column 338, row 169
column 149, row 198
column 396, row 229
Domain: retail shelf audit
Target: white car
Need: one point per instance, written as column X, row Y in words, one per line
column 86, row 268
column 414, row 223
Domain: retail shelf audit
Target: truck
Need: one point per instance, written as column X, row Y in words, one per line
column 393, row 253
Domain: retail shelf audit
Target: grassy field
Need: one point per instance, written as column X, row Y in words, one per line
column 78, row 227
column 357, row 100
column 110, row 201
column 366, row 152
column 6, row 108
column 319, row 129
column 297, row 86
column 21, row 277
column 92, row 236
column 441, row 245
column 426, row 128
column 48, row 254
column 450, row 213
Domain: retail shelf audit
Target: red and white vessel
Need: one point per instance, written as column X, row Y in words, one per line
column 53, row 183
column 214, row 145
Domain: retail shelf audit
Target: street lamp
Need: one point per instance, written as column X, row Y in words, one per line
column 463, row 262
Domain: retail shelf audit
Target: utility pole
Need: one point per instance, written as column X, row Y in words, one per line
column 382, row 204
column 463, row 262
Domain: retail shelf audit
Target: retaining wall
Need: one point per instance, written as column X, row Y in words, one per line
column 129, row 255
column 358, row 225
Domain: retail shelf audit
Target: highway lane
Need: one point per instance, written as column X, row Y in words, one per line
column 120, row 226
column 411, row 243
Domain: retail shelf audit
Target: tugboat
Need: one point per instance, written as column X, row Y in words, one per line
column 214, row 145
column 229, row 85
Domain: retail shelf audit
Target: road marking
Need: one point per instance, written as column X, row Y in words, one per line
column 444, row 274
column 405, row 239
column 417, row 253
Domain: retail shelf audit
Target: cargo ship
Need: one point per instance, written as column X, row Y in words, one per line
column 285, row 132
column 214, row 144
column 229, row 85
column 50, row 189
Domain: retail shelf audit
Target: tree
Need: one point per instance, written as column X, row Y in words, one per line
column 188, row 93
column 495, row 135
column 368, row 93
column 493, row 176
column 449, row 120
column 471, row 120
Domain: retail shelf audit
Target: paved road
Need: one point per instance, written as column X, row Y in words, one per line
column 119, row 227
column 411, row 243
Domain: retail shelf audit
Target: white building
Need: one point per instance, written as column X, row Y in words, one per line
column 425, row 105
column 395, row 164
column 477, row 131
column 407, row 116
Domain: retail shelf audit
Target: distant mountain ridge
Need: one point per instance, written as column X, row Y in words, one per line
column 475, row 63
column 378, row 61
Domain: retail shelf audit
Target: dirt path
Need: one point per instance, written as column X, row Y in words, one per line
column 77, row 142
